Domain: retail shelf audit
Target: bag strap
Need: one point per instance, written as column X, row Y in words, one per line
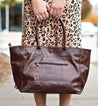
column 63, row 39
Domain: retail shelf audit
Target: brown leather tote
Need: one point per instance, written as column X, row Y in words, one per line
column 40, row 69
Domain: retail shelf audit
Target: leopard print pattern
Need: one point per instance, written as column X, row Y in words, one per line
column 50, row 30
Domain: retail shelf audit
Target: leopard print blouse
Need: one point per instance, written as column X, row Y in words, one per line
column 50, row 30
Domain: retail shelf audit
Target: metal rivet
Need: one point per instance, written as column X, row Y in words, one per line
column 37, row 64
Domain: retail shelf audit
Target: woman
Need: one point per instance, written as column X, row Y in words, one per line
column 47, row 12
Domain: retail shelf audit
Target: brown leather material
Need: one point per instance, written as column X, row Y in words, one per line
column 39, row 69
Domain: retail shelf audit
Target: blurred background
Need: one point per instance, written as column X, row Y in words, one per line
column 11, row 12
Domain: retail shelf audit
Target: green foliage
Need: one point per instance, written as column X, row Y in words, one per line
column 9, row 2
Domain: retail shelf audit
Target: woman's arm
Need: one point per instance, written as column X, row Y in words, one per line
column 40, row 8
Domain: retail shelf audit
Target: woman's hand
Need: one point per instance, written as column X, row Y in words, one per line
column 57, row 8
column 40, row 8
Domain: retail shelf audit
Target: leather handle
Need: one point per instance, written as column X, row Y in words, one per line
column 63, row 39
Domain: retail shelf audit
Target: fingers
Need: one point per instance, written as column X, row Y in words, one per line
column 51, row 11
column 38, row 17
column 59, row 12
column 48, row 8
column 46, row 14
column 56, row 11
column 42, row 15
